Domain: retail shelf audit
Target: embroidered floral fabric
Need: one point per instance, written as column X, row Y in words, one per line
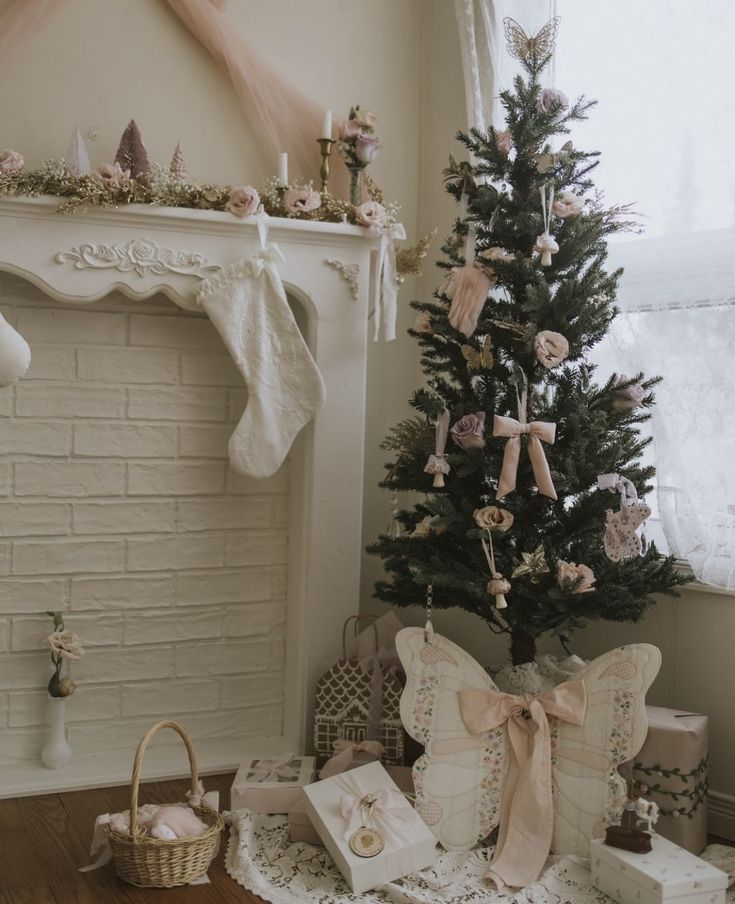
column 261, row 860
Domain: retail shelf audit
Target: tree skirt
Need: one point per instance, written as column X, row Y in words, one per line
column 260, row 858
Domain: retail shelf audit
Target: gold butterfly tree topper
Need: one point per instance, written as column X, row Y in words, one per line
column 534, row 50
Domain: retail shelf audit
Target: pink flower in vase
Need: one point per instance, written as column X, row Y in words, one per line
column 366, row 119
column 366, row 148
column 112, row 176
column 11, row 161
column 243, row 201
column 301, row 200
column 349, row 129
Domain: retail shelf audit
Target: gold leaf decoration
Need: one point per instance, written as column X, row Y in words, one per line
column 408, row 260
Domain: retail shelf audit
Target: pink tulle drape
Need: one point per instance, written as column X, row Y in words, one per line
column 283, row 118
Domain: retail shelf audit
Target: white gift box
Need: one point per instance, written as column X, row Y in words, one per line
column 332, row 805
column 271, row 785
column 667, row 873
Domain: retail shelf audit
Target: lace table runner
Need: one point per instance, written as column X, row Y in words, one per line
column 261, row 859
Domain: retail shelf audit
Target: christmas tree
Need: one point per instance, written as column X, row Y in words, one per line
column 514, row 511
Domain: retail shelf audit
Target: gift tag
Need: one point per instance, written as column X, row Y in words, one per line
column 366, row 842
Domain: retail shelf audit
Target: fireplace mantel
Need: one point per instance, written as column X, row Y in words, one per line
column 328, row 268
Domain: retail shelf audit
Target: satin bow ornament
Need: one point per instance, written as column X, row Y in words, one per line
column 386, row 285
column 390, row 814
column 346, row 751
column 527, row 812
column 274, row 770
column 537, row 432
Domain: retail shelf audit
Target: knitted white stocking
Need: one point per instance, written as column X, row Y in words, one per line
column 247, row 304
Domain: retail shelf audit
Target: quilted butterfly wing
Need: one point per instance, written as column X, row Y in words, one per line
column 459, row 779
column 588, row 791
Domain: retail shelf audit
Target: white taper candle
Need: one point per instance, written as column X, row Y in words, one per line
column 283, row 169
column 327, row 126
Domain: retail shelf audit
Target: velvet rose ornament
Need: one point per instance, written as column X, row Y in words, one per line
column 11, row 161
column 552, row 99
column 301, row 200
column 629, row 397
column 469, row 431
column 504, row 141
column 551, row 348
column 575, row 578
column 366, row 148
column 112, row 176
column 567, row 204
column 243, row 201
column 371, row 214
column 493, row 518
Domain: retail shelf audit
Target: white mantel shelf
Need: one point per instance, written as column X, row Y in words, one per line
column 81, row 257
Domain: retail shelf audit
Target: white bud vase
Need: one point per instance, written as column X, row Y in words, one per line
column 56, row 752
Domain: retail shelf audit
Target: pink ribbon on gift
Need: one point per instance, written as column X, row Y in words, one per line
column 273, row 770
column 390, row 814
column 537, row 432
column 344, row 753
column 527, row 812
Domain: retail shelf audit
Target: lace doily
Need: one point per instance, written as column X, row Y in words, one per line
column 261, row 859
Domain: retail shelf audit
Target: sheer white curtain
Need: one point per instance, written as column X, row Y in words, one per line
column 662, row 71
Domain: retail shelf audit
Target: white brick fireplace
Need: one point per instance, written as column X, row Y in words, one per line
column 201, row 595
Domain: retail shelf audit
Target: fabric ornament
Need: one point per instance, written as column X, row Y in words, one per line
column 493, row 518
column 628, row 397
column 574, row 578
column 15, row 354
column 244, row 201
column 498, row 586
column 552, row 99
column 537, row 432
column 386, row 285
column 616, row 483
column 77, row 157
column 485, row 763
column 11, row 161
column 545, row 243
column 623, row 537
column 551, row 348
column 469, row 431
column 437, row 463
column 567, row 204
column 467, row 288
column 247, row 304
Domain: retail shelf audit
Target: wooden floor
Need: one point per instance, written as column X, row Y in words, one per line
column 43, row 841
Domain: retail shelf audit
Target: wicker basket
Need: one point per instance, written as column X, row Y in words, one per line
column 155, row 863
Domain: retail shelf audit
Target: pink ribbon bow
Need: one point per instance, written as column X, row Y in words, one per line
column 537, row 432
column 527, row 812
column 390, row 814
column 345, row 751
column 275, row 770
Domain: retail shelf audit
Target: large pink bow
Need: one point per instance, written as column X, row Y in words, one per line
column 527, row 813
column 536, row 431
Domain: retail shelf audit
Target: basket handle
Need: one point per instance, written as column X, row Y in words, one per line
column 356, row 619
column 135, row 830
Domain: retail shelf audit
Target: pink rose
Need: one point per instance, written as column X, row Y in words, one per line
column 301, row 200
column 469, row 431
column 567, row 204
column 366, row 148
column 367, row 119
column 575, row 578
column 504, row 142
column 349, row 129
column 243, row 201
column 11, row 161
column 371, row 214
column 112, row 176
column 552, row 99
column 551, row 348
column 629, row 397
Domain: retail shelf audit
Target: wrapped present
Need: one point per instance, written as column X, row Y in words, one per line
column 271, row 785
column 300, row 827
column 372, row 832
column 671, row 770
column 358, row 698
column 667, row 873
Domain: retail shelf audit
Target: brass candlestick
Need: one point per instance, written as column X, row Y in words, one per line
column 325, row 145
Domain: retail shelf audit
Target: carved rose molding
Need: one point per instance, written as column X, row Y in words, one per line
column 349, row 272
column 141, row 256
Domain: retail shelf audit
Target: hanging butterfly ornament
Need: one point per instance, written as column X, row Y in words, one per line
column 479, row 359
column 547, row 162
column 532, row 50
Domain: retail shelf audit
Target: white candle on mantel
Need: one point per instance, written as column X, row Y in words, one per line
column 283, row 169
column 327, row 126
